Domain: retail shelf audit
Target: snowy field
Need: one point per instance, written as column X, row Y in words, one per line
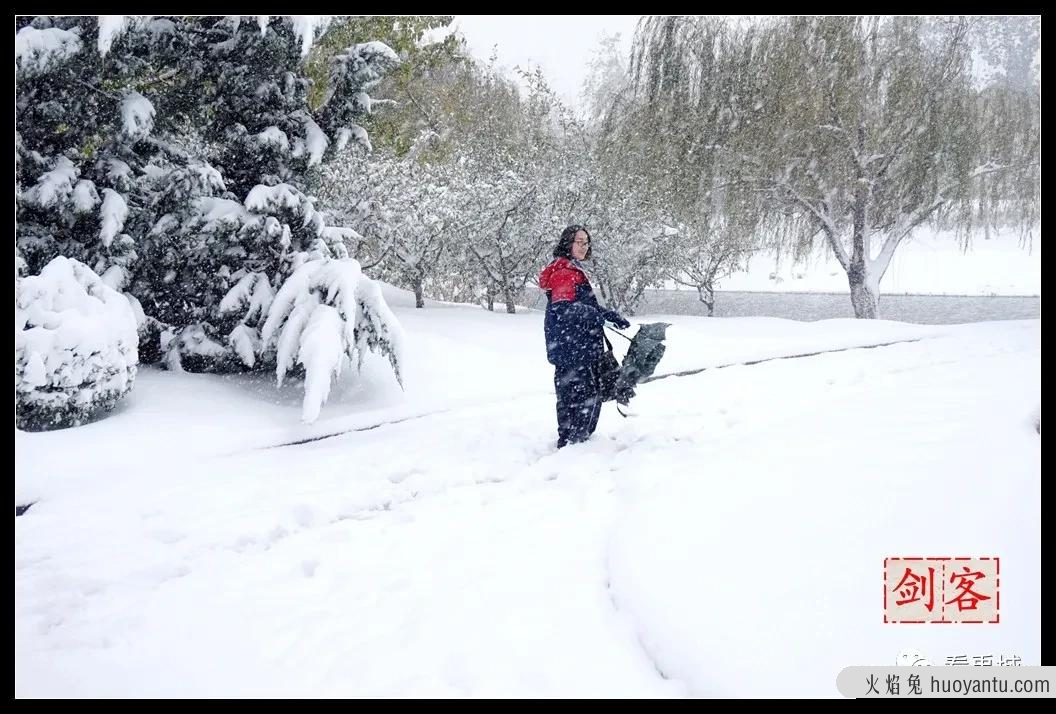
column 930, row 281
column 931, row 262
column 728, row 539
column 921, row 309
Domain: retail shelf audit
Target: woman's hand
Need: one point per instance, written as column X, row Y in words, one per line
column 617, row 319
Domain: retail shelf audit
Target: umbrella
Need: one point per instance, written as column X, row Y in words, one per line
column 643, row 355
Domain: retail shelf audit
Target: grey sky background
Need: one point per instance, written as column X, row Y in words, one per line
column 561, row 45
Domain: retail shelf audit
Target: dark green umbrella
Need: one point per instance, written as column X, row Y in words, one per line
column 643, row 355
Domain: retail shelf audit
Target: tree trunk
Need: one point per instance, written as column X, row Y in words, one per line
column 507, row 292
column 984, row 204
column 707, row 296
column 864, row 296
column 419, row 297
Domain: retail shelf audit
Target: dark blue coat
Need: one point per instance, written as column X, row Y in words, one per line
column 573, row 324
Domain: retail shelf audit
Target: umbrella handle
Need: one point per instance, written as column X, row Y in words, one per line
column 617, row 333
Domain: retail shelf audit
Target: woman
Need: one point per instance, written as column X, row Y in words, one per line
column 574, row 339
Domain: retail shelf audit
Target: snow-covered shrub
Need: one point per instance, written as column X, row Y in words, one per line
column 75, row 346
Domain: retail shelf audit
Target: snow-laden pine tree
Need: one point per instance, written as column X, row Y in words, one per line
column 169, row 154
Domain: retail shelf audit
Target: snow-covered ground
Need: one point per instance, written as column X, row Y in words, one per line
column 929, row 263
column 726, row 540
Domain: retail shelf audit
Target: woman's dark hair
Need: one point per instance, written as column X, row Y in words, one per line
column 563, row 249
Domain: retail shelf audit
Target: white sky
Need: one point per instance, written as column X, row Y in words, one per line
column 561, row 45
